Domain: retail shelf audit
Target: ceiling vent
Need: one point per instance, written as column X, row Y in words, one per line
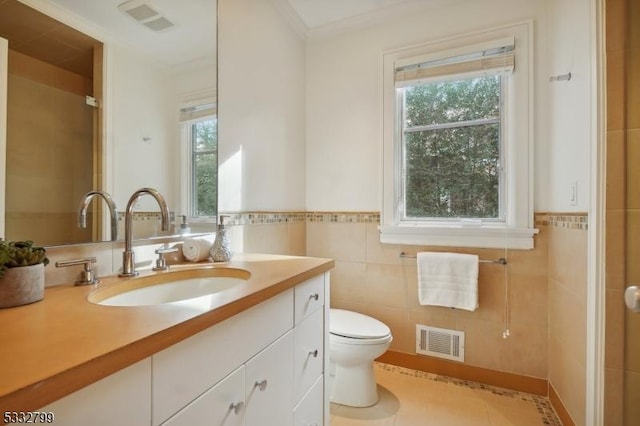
column 143, row 13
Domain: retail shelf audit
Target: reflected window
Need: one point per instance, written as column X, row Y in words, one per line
column 200, row 161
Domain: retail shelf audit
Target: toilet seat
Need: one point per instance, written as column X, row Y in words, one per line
column 348, row 326
column 335, row 338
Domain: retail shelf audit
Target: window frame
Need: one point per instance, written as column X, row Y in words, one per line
column 516, row 231
column 187, row 157
column 402, row 138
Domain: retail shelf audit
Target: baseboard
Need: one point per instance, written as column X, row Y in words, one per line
column 557, row 405
column 443, row 367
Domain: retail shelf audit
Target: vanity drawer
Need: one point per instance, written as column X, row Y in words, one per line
column 310, row 410
column 214, row 407
column 309, row 296
column 187, row 369
column 309, row 352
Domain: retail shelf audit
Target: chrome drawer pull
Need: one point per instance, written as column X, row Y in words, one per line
column 262, row 384
column 314, row 353
column 236, row 407
column 314, row 296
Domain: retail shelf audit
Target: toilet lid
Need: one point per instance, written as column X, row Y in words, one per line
column 355, row 325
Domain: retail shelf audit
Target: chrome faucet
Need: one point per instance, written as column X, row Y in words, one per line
column 128, row 259
column 84, row 204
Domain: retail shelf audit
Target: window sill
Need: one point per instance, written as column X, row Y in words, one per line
column 458, row 236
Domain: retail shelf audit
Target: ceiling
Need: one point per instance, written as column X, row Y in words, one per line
column 316, row 13
column 193, row 38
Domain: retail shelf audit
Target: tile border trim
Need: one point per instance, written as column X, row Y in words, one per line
column 544, row 405
column 577, row 221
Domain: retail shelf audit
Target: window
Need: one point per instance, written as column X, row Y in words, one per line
column 451, row 149
column 457, row 142
column 200, row 160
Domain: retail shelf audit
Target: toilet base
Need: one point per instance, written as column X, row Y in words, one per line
column 354, row 386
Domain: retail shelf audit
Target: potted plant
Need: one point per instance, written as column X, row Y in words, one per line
column 21, row 273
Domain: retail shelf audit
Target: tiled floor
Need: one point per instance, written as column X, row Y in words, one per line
column 415, row 398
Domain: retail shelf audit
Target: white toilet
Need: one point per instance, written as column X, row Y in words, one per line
column 355, row 340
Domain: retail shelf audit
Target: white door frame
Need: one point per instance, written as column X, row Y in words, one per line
column 596, row 234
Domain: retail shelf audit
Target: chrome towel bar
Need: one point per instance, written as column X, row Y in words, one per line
column 501, row 261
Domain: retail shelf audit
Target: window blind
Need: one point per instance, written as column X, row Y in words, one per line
column 500, row 58
column 196, row 112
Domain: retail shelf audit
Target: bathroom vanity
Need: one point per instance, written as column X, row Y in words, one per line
column 254, row 356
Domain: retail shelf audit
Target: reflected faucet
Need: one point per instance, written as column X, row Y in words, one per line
column 84, row 205
column 128, row 259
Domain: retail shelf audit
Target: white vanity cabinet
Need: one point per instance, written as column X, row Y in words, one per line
column 311, row 352
column 261, row 367
column 123, row 398
column 187, row 369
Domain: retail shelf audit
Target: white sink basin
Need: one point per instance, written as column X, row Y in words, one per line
column 147, row 291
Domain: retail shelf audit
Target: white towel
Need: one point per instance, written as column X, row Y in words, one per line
column 196, row 249
column 448, row 279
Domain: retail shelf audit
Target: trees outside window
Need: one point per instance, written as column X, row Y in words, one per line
column 204, row 168
column 451, row 148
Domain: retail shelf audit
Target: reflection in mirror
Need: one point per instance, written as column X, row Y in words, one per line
column 50, row 128
column 98, row 101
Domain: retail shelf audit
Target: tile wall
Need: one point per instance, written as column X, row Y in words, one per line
column 47, row 115
column 567, row 284
column 373, row 279
column 616, row 29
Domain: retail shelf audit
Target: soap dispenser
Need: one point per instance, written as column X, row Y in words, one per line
column 221, row 250
column 184, row 227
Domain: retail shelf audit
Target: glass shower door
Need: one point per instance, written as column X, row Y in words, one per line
column 631, row 390
column 632, row 262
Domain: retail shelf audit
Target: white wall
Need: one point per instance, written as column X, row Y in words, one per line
column 344, row 106
column 261, row 109
column 141, row 101
column 569, row 106
column 193, row 83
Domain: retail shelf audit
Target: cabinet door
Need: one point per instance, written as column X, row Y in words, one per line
column 269, row 385
column 123, row 398
column 309, row 352
column 310, row 410
column 222, row 405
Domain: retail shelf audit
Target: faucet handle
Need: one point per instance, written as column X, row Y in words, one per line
column 161, row 262
column 87, row 276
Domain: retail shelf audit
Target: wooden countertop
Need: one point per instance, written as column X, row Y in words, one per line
column 63, row 343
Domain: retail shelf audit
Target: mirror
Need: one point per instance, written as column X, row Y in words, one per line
column 108, row 96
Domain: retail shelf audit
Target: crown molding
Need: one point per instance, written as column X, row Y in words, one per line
column 292, row 17
column 375, row 17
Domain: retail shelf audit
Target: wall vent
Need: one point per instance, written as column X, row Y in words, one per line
column 146, row 15
column 440, row 342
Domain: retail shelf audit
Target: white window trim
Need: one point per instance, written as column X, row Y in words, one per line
column 186, row 190
column 517, row 231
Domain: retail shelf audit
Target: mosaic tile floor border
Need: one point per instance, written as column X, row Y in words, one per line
column 542, row 404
